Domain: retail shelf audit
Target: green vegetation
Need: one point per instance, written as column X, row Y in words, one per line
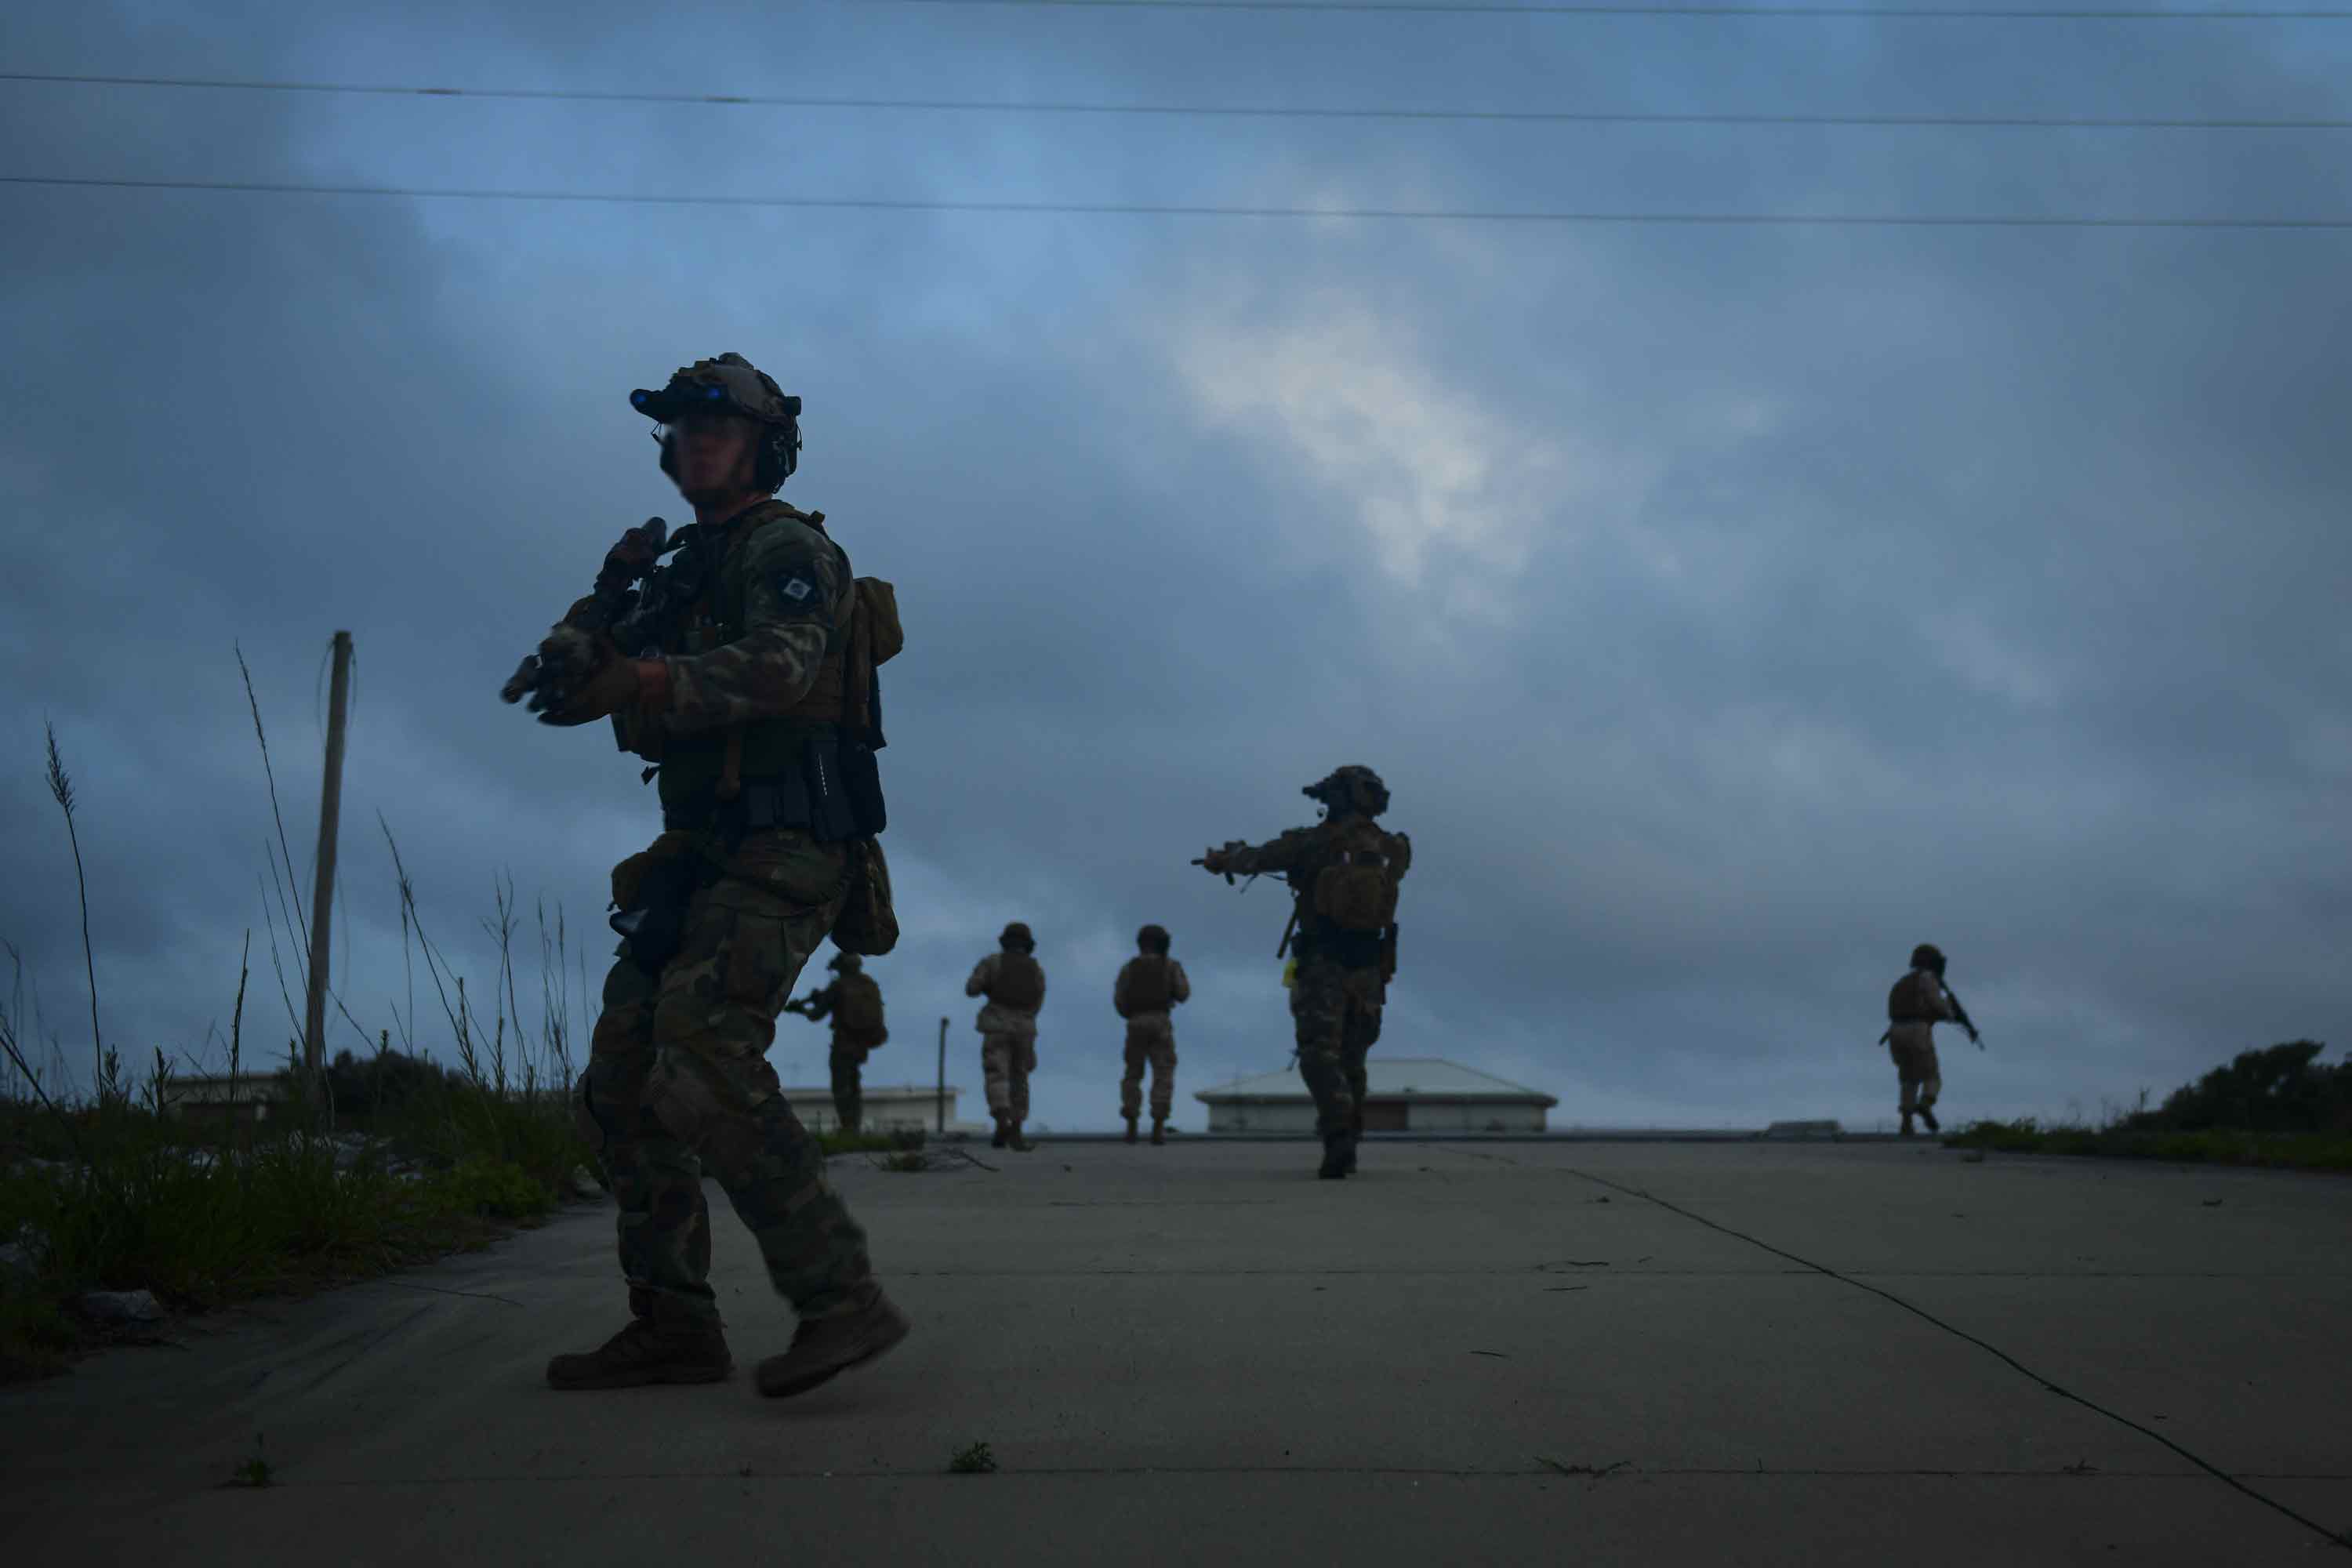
column 2278, row 1106
column 975, row 1460
column 838, row 1142
column 388, row 1161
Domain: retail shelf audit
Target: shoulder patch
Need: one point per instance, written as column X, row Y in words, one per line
column 792, row 587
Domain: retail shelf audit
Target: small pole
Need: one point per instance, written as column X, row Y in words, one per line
column 943, row 1077
column 330, row 805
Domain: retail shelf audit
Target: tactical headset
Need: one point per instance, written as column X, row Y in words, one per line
column 780, row 442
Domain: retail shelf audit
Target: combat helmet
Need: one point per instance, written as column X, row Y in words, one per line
column 1154, row 939
column 1017, row 935
column 1927, row 955
column 732, row 384
column 1352, row 788
column 848, row 962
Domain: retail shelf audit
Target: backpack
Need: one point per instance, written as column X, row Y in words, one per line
column 1149, row 987
column 1357, row 891
column 1020, row 981
column 858, row 1007
column 1911, row 1000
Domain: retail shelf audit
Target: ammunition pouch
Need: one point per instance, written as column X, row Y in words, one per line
column 814, row 798
column 861, row 780
column 1320, row 938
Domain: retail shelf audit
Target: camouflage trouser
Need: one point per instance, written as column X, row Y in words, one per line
column 1913, row 1046
column 1006, row 1063
column 1336, row 1011
column 848, row 1089
column 1149, row 1038
column 678, row 1083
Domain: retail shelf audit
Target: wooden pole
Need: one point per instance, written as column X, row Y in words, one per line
column 943, row 1076
column 330, row 805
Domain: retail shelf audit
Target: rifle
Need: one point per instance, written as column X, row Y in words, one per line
column 801, row 1004
column 549, row 674
column 1960, row 1015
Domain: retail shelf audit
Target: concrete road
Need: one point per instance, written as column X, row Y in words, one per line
column 1652, row 1353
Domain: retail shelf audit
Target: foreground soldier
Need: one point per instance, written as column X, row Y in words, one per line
column 1913, row 1007
column 1343, row 874
column 1014, row 983
column 854, row 1003
column 1148, row 985
column 734, row 673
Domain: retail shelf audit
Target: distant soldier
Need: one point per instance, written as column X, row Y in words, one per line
column 1014, row 983
column 1148, row 985
column 1918, row 1002
column 854, row 1003
column 1343, row 874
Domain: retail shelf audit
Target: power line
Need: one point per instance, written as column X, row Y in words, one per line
column 1173, row 209
column 1479, row 9
column 988, row 106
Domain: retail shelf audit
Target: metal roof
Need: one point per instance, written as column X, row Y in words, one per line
column 1424, row 1079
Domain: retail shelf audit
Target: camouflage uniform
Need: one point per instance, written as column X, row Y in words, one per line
column 1008, row 1031
column 1150, row 1039
column 1342, row 976
column 677, row 1084
column 850, row 1046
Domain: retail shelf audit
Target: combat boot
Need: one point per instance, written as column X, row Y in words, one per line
column 823, row 1347
column 998, row 1142
column 1159, row 1130
column 1130, row 1130
column 1929, row 1116
column 1906, row 1124
column 1338, row 1156
column 1013, row 1141
column 661, row 1344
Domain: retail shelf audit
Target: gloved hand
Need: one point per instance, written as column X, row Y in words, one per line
column 612, row 683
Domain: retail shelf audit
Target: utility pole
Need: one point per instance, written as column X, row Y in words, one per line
column 330, row 805
column 943, row 1077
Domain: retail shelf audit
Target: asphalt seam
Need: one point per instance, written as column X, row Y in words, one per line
column 1533, row 1472
column 2336, row 1538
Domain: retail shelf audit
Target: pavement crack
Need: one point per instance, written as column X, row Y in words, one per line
column 370, row 1341
column 445, row 1290
column 2091, row 1405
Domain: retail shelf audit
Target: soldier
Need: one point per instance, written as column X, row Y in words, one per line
column 854, row 1002
column 732, row 673
column 1918, row 1002
column 1014, row 983
column 1149, row 984
column 1343, row 874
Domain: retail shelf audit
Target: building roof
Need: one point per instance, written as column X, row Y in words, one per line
column 871, row 1091
column 1424, row 1078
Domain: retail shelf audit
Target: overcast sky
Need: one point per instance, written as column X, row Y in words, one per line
column 1729, row 607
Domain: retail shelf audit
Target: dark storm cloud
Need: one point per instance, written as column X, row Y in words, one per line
column 1728, row 609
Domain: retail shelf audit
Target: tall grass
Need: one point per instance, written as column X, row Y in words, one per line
column 121, row 1189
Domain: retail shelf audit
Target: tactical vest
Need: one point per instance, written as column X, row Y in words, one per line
column 772, row 746
column 1912, row 1000
column 857, row 1008
column 1020, row 981
column 1150, row 987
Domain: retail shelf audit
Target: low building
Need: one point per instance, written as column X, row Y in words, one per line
column 1402, row 1094
column 883, row 1107
column 222, row 1097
